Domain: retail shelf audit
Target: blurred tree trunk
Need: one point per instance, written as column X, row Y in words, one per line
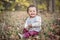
column 35, row 2
column 59, row 9
column 50, row 5
column 47, row 2
column 53, row 5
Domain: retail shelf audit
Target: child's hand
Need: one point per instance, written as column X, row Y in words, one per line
column 30, row 25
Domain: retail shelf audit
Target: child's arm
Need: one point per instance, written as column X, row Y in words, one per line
column 26, row 25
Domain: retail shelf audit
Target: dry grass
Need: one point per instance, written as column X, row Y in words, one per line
column 12, row 23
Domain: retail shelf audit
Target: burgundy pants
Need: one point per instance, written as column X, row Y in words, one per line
column 27, row 33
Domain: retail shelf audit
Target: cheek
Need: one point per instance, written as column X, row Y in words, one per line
column 29, row 13
column 34, row 13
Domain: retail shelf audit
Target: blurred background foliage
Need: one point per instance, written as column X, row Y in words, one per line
column 14, row 5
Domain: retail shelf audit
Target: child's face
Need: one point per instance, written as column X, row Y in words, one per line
column 32, row 12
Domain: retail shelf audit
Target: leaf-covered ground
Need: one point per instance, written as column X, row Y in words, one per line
column 12, row 23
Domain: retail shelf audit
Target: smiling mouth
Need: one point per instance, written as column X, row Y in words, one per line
column 32, row 14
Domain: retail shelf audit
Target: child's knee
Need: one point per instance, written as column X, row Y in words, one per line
column 33, row 33
column 25, row 30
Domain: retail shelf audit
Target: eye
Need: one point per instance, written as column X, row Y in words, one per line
column 30, row 11
column 33, row 10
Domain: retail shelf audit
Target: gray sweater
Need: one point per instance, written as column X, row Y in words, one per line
column 36, row 23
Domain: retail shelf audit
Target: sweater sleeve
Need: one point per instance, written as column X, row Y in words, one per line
column 26, row 24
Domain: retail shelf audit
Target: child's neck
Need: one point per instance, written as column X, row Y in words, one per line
column 32, row 17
